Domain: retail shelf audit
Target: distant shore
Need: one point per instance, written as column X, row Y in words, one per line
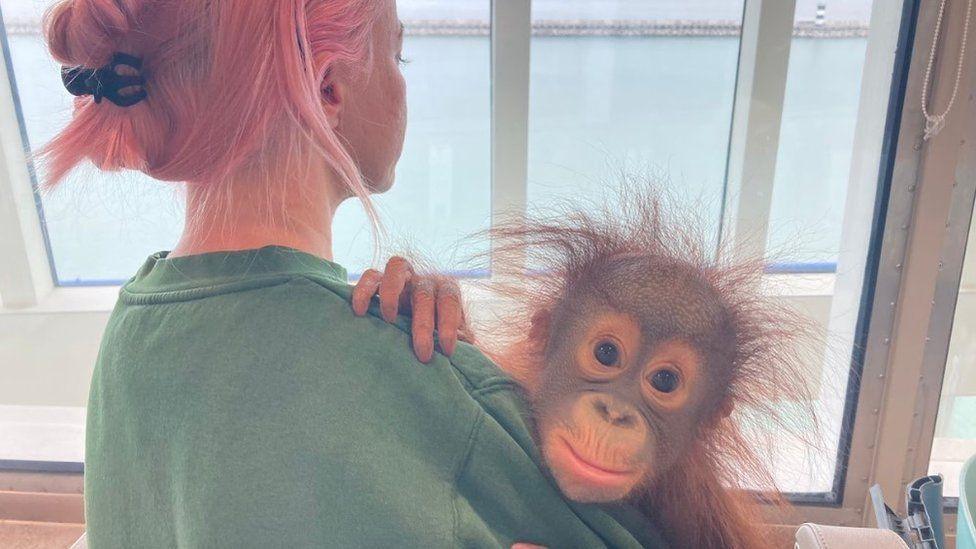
column 432, row 27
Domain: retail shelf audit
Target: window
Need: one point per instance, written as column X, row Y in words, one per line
column 610, row 85
column 806, row 222
column 816, row 141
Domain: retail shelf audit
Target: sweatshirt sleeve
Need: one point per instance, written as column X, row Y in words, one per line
column 387, row 435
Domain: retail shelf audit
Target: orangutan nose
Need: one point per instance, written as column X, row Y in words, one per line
column 616, row 414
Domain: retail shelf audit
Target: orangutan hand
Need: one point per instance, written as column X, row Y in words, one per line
column 433, row 301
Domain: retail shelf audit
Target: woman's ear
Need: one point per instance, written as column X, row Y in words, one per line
column 333, row 97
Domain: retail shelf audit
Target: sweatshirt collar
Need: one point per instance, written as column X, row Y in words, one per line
column 160, row 273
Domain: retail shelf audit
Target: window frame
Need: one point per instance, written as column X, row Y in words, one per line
column 901, row 287
column 915, row 270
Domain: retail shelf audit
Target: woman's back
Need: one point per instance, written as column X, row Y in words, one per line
column 238, row 402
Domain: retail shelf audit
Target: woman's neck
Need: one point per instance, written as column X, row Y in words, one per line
column 248, row 214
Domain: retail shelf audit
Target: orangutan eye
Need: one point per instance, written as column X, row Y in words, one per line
column 665, row 381
column 606, row 353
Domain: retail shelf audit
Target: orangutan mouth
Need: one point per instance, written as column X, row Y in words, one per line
column 597, row 474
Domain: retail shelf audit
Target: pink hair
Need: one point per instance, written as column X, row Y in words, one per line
column 232, row 85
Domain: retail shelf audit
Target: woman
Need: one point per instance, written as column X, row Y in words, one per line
column 237, row 400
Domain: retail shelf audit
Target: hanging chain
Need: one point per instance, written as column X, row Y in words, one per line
column 935, row 123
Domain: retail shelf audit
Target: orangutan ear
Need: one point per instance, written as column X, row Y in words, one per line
column 528, row 366
column 539, row 326
column 723, row 411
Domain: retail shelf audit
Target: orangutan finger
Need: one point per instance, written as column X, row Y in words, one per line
column 395, row 279
column 449, row 314
column 364, row 291
column 423, row 320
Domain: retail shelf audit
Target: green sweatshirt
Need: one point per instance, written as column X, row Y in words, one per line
column 238, row 402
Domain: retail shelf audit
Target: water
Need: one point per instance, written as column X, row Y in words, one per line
column 597, row 103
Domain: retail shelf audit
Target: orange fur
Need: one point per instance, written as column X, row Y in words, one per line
column 697, row 503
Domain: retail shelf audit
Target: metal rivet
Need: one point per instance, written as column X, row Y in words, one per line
column 904, row 227
column 864, row 479
column 881, row 375
column 927, row 339
column 911, row 188
column 875, row 411
column 887, row 341
column 898, row 266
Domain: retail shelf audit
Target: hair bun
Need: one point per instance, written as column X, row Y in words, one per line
column 87, row 32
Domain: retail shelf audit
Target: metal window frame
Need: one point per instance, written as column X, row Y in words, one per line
column 953, row 163
column 511, row 37
column 757, row 116
column 923, row 211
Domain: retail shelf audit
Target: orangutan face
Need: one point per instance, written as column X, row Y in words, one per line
column 628, row 381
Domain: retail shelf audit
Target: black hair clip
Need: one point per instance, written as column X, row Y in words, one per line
column 105, row 82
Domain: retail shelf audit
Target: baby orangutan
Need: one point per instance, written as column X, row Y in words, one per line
column 634, row 345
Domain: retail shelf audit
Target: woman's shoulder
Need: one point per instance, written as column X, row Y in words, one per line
column 367, row 365
column 325, row 303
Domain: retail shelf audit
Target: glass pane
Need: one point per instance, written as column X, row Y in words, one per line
column 633, row 85
column 812, row 181
column 955, row 427
column 809, row 217
column 650, row 86
column 102, row 226
column 823, row 88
